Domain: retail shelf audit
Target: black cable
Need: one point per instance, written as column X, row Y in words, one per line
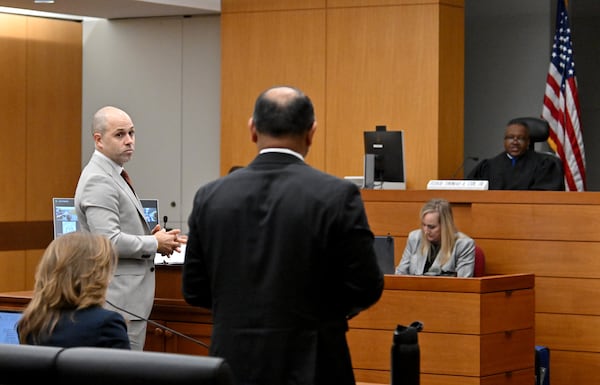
column 160, row 325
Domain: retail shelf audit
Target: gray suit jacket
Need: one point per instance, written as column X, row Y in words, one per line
column 106, row 205
column 462, row 261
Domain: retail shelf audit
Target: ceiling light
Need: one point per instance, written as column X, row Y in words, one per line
column 43, row 1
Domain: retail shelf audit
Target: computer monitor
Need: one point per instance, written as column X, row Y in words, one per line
column 384, row 159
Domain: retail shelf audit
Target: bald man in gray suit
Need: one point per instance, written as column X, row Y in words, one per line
column 107, row 204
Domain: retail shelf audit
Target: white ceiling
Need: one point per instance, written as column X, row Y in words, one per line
column 119, row 9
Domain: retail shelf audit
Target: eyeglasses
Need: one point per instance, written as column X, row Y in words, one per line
column 519, row 139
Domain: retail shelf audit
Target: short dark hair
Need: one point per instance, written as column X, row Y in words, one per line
column 289, row 117
column 520, row 122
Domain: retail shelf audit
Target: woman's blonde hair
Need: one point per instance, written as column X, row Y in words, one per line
column 447, row 228
column 73, row 273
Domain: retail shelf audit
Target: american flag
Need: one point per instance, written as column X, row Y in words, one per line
column 561, row 104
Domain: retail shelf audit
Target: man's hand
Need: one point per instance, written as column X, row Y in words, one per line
column 168, row 241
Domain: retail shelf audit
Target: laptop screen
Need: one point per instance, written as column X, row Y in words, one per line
column 8, row 327
column 66, row 221
column 65, row 217
column 150, row 211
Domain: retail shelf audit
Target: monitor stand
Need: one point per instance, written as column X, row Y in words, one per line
column 393, row 186
column 369, row 171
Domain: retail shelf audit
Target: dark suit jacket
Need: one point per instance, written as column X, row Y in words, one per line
column 532, row 171
column 92, row 327
column 282, row 253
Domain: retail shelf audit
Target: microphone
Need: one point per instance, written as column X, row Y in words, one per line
column 462, row 165
column 160, row 325
column 165, row 218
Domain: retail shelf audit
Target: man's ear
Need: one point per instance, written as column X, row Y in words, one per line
column 252, row 129
column 310, row 134
column 97, row 139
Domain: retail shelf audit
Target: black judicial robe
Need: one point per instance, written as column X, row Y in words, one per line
column 532, row 171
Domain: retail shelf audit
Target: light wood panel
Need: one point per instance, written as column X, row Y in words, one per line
column 54, row 65
column 451, row 92
column 379, row 85
column 41, row 109
column 574, row 368
column 470, row 355
column 228, row 6
column 550, row 222
column 543, row 258
column 373, row 3
column 376, row 62
column 260, row 50
column 12, row 273
column 13, row 45
column 567, row 295
column 568, row 332
column 524, row 377
column 470, row 312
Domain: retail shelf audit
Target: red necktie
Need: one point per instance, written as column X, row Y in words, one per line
column 127, row 179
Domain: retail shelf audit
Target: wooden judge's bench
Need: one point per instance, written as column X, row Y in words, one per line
column 543, row 274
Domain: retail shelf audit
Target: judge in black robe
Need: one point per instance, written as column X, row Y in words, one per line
column 519, row 167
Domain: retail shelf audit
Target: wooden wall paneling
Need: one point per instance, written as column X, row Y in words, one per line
column 54, row 66
column 32, row 258
column 462, row 308
column 543, row 222
column 451, row 91
column 382, row 69
column 471, row 355
column 12, row 273
column 13, row 44
column 398, row 219
column 567, row 295
column 574, row 368
column 262, row 49
column 373, row 3
column 543, row 258
column 502, row 352
column 228, row 6
column 568, row 332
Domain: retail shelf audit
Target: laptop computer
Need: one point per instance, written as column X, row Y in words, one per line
column 65, row 218
column 66, row 221
column 8, row 326
column 384, row 250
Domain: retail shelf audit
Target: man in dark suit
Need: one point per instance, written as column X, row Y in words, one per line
column 282, row 254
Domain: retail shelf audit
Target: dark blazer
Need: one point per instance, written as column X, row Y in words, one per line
column 283, row 254
column 532, row 171
column 92, row 327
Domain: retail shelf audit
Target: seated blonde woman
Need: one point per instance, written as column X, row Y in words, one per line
column 438, row 248
column 70, row 289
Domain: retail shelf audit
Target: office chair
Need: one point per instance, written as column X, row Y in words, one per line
column 539, row 129
column 479, row 270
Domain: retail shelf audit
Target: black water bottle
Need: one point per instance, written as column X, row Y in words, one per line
column 406, row 356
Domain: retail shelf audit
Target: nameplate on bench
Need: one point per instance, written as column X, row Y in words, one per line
column 455, row 184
